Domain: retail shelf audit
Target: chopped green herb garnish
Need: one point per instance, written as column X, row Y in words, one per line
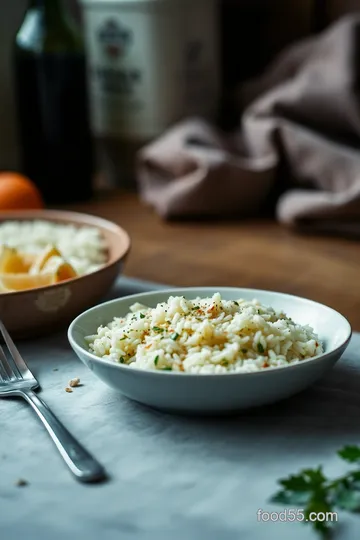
column 196, row 307
column 157, row 329
column 122, row 360
column 166, row 368
column 122, row 339
column 174, row 336
column 318, row 494
column 244, row 351
column 236, row 303
column 224, row 363
column 260, row 348
column 142, row 316
column 156, row 360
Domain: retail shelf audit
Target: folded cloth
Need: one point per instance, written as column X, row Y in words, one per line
column 300, row 129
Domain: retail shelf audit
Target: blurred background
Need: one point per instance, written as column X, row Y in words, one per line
column 249, row 32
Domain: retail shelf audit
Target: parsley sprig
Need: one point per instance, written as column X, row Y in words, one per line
column 316, row 493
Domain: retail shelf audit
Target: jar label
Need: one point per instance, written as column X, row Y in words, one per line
column 148, row 68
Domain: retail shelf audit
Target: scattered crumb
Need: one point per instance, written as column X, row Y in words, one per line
column 21, row 483
column 74, row 382
column 68, row 390
column 56, row 369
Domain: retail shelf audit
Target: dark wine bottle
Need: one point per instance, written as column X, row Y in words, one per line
column 52, row 103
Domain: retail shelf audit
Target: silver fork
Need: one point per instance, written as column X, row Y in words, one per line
column 17, row 380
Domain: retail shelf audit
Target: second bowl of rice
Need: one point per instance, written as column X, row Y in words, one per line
column 95, row 248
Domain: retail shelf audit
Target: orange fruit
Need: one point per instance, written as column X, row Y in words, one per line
column 11, row 262
column 14, row 262
column 41, row 259
column 20, row 282
column 28, row 259
column 60, row 268
column 17, row 192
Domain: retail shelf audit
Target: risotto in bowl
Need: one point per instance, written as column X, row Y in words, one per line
column 209, row 350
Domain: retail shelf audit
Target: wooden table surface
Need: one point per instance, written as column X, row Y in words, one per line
column 257, row 254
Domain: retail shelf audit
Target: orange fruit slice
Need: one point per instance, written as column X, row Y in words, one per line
column 42, row 258
column 11, row 262
column 60, row 268
column 21, row 282
column 28, row 260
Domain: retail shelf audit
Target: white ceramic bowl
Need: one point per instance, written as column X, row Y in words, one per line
column 214, row 394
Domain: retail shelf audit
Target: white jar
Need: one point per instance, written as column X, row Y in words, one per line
column 151, row 63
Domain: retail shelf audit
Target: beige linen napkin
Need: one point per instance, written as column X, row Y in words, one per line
column 299, row 135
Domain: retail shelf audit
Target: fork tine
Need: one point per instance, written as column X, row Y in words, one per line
column 3, row 374
column 16, row 356
column 6, row 367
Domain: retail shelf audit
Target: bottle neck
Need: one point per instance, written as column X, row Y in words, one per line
column 48, row 28
column 53, row 10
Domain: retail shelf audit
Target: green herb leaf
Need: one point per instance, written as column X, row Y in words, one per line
column 122, row 360
column 354, row 481
column 317, row 495
column 347, row 499
column 236, row 303
column 295, row 498
column 174, row 336
column 142, row 316
column 295, row 483
column 305, row 481
column 167, row 368
column 122, row 339
column 157, row 329
column 196, row 307
column 350, row 453
column 315, row 477
column 260, row 348
column 156, row 360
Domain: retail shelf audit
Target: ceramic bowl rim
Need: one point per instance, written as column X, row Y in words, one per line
column 158, row 373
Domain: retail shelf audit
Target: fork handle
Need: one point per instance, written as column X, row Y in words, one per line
column 80, row 462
